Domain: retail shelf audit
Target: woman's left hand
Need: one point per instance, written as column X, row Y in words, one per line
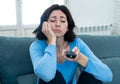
column 74, row 50
column 80, row 58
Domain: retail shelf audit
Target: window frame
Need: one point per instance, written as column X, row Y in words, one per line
column 19, row 24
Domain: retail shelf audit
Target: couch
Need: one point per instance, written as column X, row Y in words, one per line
column 16, row 66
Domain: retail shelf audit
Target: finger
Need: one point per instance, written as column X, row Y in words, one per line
column 70, row 59
column 50, row 29
column 44, row 26
column 74, row 49
column 64, row 53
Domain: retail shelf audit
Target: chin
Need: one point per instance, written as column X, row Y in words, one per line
column 59, row 35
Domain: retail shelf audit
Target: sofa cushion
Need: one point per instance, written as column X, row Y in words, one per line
column 103, row 46
column 14, row 58
column 114, row 64
column 27, row 79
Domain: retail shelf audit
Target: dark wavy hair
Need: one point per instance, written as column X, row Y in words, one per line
column 69, row 35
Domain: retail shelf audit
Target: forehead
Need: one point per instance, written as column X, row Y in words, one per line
column 57, row 13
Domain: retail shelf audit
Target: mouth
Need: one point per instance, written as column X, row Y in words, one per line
column 57, row 30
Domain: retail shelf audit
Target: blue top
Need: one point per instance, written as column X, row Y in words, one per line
column 44, row 61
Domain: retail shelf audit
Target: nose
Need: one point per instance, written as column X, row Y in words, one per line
column 58, row 23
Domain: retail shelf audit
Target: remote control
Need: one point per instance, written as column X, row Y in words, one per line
column 70, row 54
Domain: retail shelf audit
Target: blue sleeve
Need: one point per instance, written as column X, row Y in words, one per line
column 44, row 60
column 95, row 66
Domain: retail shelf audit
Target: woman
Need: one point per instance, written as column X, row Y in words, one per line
column 55, row 36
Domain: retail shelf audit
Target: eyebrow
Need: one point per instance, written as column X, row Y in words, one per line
column 60, row 17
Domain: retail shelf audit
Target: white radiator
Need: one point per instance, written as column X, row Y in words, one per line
column 94, row 30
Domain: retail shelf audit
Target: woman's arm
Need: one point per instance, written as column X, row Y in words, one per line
column 94, row 65
column 44, row 60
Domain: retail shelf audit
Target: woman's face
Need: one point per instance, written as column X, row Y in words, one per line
column 58, row 22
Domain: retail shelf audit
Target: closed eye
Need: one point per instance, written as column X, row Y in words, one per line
column 52, row 20
column 63, row 21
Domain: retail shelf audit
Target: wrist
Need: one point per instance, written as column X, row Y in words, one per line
column 82, row 60
column 52, row 41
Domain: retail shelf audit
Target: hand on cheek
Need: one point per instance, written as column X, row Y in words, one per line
column 47, row 30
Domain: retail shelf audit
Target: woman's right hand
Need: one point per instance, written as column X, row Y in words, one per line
column 47, row 30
